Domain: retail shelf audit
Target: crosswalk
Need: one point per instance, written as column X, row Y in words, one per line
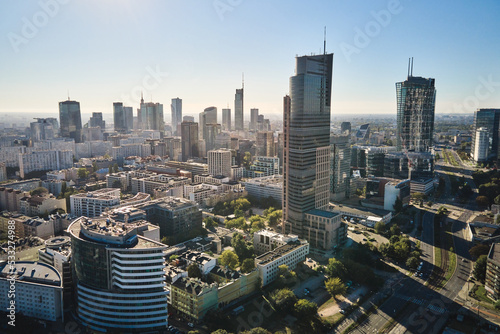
column 418, row 301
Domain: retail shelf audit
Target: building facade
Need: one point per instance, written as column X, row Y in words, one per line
column 490, row 120
column 189, row 135
column 176, row 109
column 306, row 123
column 219, row 162
column 238, row 110
column 70, row 120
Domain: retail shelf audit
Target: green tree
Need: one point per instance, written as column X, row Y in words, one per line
column 110, row 169
column 479, row 271
column 247, row 265
column 335, row 287
column 39, row 191
column 247, row 160
column 82, row 173
column 285, row 275
column 229, row 258
column 380, row 227
column 241, row 247
column 257, row 330
column 275, row 217
column 257, row 223
column 210, row 222
column 305, row 309
column 284, row 299
column 497, row 305
column 194, row 271
column 479, row 250
column 221, row 331
column 94, row 166
column 412, row 262
column 116, row 169
column 398, row 205
column 173, row 257
column 335, row 268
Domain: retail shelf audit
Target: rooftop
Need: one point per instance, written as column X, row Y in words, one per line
column 29, row 271
column 494, row 253
column 278, row 252
column 322, row 213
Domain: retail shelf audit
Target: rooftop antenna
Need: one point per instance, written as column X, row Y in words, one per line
column 411, row 66
column 408, row 68
column 242, row 80
column 324, row 42
column 68, row 94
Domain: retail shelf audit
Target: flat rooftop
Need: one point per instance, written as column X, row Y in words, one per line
column 322, row 213
column 34, row 272
column 494, row 253
column 278, row 252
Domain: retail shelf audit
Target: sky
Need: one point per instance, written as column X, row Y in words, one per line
column 103, row 51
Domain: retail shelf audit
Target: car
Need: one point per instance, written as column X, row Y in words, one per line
column 342, row 311
column 190, row 324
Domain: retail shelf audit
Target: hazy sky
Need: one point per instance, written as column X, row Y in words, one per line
column 109, row 50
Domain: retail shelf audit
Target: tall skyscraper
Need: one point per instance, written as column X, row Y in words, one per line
column 151, row 117
column 118, row 275
column 306, row 171
column 265, row 144
column 70, row 120
column 226, row 119
column 210, row 135
column 416, row 98
column 97, row 121
column 119, row 117
column 238, row 110
column 340, row 161
column 208, row 116
column 129, row 117
column 176, row 107
column 254, row 118
column 488, row 119
column 189, row 135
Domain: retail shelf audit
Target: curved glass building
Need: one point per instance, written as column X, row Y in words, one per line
column 119, row 276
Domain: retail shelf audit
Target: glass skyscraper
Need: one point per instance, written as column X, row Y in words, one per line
column 70, row 120
column 306, row 153
column 176, row 109
column 416, row 98
column 238, row 110
column 488, row 119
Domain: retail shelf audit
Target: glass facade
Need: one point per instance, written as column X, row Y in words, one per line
column 490, row 120
column 70, row 120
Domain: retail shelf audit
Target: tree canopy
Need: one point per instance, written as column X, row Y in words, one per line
column 335, row 287
column 229, row 258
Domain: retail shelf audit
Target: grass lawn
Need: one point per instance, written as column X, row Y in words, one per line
column 326, row 304
column 481, row 295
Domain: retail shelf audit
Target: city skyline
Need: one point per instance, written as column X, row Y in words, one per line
column 371, row 48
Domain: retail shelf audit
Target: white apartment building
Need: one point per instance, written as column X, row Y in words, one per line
column 127, row 150
column 290, row 254
column 263, row 187
column 481, row 146
column 38, row 290
column 3, row 172
column 219, row 162
column 44, row 160
column 92, row 204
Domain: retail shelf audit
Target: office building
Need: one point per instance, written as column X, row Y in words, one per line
column 289, row 254
column 188, row 118
column 97, row 121
column 210, row 133
column 263, row 166
column 266, row 240
column 189, row 135
column 207, row 116
column 488, row 119
column 38, row 290
column 492, row 282
column 70, row 120
column 238, row 110
column 345, row 128
column 119, row 276
column 481, row 145
column 306, row 123
column 265, row 144
column 416, row 99
column 176, row 108
column 254, row 116
column 226, row 119
column 151, row 117
column 265, row 187
column 340, row 161
column 219, row 162
column 120, row 119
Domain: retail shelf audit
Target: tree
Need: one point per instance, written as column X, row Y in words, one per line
column 412, row 262
column 257, row 224
column 94, row 166
column 221, row 331
column 479, row 250
column 395, row 230
column 285, row 275
column 398, row 205
column 241, row 247
column 257, row 330
column 305, row 309
column 238, row 213
column 335, row 287
column 210, row 222
column 497, row 305
column 274, row 217
column 442, row 210
column 229, row 259
column 247, row 265
column 335, row 268
column 380, row 227
column 82, row 173
column 110, row 169
column 284, row 299
column 173, row 257
column 194, row 332
column 39, row 191
column 479, row 271
column 116, row 169
column 247, row 160
column 194, row 271
column 482, row 201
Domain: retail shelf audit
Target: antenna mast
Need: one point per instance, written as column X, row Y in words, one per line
column 324, row 42
column 411, row 66
column 408, row 68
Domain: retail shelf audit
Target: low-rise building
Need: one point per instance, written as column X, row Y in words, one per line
column 290, row 254
column 492, row 282
column 324, row 229
column 41, row 205
column 39, row 227
column 264, row 187
column 92, row 204
column 38, row 290
column 265, row 240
